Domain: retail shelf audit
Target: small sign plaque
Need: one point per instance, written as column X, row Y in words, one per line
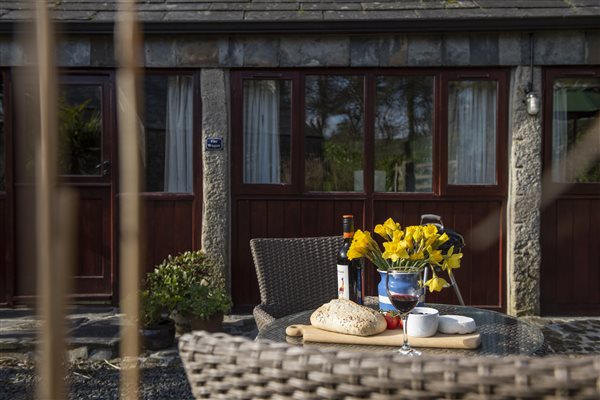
column 214, row 143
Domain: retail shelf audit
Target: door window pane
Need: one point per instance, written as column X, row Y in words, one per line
column 80, row 130
column 403, row 134
column 267, row 129
column 334, row 134
column 576, row 131
column 168, row 133
column 472, row 132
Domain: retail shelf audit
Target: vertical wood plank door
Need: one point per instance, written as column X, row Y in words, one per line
column 85, row 165
column 309, row 146
column 570, row 272
column 85, row 157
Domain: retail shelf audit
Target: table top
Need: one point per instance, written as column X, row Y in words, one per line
column 501, row 335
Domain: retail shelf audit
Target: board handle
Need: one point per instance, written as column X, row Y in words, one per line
column 294, row 330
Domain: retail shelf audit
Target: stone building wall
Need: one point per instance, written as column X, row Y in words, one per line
column 216, row 55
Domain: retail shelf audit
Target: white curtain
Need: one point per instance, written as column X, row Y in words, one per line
column 560, row 128
column 261, row 132
column 178, row 140
column 472, row 133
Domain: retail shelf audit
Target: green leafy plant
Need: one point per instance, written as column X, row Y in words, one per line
column 79, row 134
column 189, row 283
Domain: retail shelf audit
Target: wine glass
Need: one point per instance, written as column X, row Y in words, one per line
column 404, row 289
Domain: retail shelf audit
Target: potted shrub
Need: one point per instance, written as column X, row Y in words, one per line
column 198, row 296
column 157, row 330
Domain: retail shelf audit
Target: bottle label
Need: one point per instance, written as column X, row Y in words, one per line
column 343, row 278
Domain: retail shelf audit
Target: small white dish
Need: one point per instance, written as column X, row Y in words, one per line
column 422, row 322
column 460, row 324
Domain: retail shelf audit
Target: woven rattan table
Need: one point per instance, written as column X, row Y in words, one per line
column 501, row 335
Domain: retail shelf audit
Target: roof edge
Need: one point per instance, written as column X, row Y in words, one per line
column 342, row 26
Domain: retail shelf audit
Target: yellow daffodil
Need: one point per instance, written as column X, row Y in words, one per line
column 411, row 249
column 451, row 260
column 436, row 283
column 430, row 231
column 388, row 229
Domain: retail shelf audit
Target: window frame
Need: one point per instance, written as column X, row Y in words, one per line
column 196, row 135
column 237, row 140
column 550, row 75
column 441, row 78
column 488, row 74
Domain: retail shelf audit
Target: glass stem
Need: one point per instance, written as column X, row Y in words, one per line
column 404, row 331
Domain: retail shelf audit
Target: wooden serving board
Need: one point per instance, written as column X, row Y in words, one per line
column 392, row 337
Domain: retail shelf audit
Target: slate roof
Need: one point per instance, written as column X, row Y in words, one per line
column 327, row 11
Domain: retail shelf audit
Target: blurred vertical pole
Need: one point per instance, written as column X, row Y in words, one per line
column 55, row 254
column 127, row 44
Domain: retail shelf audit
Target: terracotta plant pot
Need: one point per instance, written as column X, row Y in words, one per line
column 158, row 336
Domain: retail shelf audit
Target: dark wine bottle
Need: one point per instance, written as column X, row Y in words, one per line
column 349, row 272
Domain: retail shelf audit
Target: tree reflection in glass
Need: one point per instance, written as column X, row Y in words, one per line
column 403, row 134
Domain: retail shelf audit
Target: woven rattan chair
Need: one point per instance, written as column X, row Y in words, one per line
column 294, row 274
column 220, row 366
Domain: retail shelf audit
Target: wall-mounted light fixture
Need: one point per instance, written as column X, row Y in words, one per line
column 533, row 103
column 531, row 100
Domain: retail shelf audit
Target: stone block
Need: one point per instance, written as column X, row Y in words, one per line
column 74, row 52
column 101, row 355
column 231, row 52
column 102, row 53
column 364, row 51
column 455, row 50
column 592, row 48
column 310, row 51
column 483, row 49
column 8, row 343
column 159, row 52
column 424, row 50
column 393, row 51
column 509, row 49
column 559, row 47
column 11, row 53
column 196, row 52
column 261, row 52
column 79, row 353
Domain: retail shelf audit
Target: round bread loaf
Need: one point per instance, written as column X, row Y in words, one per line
column 345, row 316
column 456, row 324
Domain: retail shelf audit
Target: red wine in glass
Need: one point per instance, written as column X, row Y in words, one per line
column 403, row 290
column 404, row 302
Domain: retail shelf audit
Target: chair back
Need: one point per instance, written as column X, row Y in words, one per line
column 296, row 274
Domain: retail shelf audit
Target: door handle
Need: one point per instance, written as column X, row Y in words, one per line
column 104, row 167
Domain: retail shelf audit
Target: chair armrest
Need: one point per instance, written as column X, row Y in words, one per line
column 262, row 316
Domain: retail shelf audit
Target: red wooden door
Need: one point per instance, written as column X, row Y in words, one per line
column 312, row 145
column 85, row 154
column 85, row 165
column 570, row 274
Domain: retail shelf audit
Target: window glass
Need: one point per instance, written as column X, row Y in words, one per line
column 334, row 133
column 576, row 131
column 80, row 130
column 168, row 133
column 2, row 146
column 267, row 129
column 472, row 132
column 403, row 134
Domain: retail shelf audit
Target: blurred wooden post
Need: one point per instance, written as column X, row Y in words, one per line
column 127, row 44
column 55, row 230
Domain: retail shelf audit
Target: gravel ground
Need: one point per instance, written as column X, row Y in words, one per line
column 95, row 380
